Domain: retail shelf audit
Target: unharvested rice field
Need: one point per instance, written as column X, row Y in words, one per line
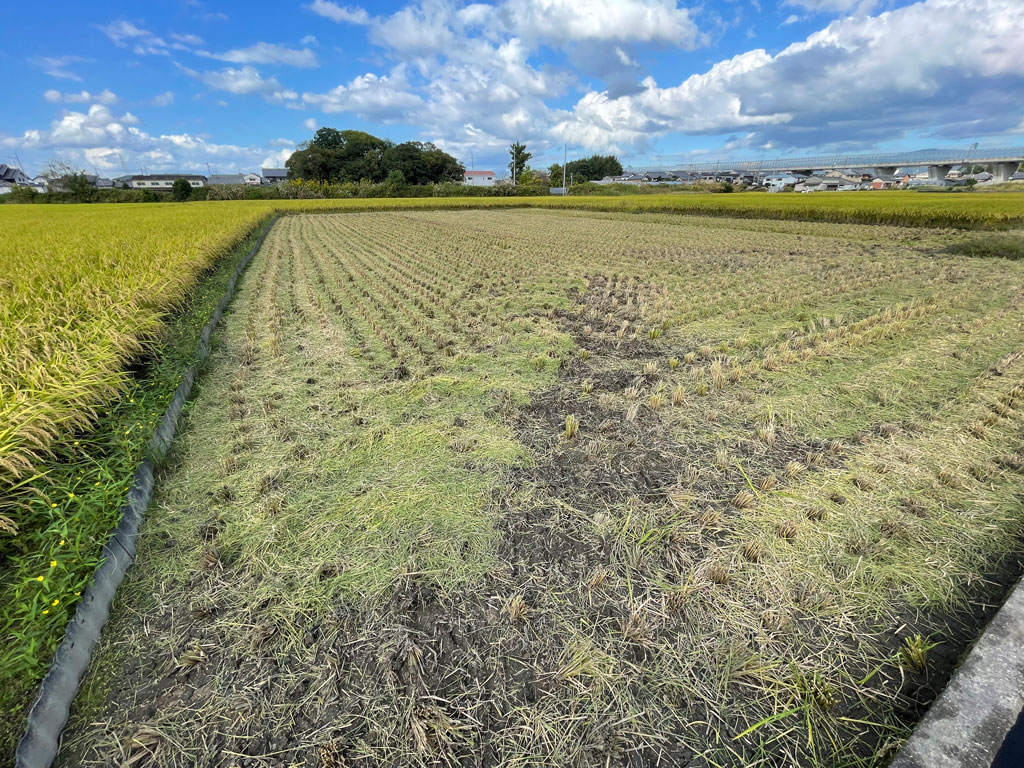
column 564, row 488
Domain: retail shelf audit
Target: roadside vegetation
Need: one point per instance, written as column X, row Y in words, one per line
column 557, row 487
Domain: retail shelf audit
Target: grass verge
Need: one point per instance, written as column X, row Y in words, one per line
column 67, row 509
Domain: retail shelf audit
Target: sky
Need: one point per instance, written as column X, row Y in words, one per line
column 222, row 87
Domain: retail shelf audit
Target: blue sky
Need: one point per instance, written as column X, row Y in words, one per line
column 178, row 85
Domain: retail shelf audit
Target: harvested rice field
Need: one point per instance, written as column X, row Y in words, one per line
column 563, row 488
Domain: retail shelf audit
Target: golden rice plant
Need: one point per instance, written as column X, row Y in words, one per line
column 85, row 288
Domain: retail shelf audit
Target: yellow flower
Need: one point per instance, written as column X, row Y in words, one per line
column 53, row 563
column 71, row 495
column 78, row 594
column 52, row 506
column 55, row 602
column 40, row 578
column 46, row 611
column 62, row 542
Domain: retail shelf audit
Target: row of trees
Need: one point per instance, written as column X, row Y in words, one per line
column 591, row 168
column 334, row 157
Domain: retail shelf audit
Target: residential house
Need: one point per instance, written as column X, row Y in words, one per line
column 274, row 175
column 479, row 178
column 777, row 182
column 827, row 184
column 886, row 182
column 14, row 175
column 252, row 179
column 164, row 181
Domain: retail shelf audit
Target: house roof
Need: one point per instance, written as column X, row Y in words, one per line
column 9, row 173
column 226, row 178
column 275, row 173
column 479, row 173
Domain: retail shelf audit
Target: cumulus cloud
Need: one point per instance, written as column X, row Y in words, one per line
column 57, row 66
column 105, row 96
column 266, row 53
column 102, row 139
column 164, row 99
column 309, row 124
column 380, row 98
column 847, row 82
column 243, row 81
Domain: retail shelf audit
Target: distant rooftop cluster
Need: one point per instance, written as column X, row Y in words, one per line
column 15, row 177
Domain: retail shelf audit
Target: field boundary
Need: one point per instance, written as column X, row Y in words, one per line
column 965, row 726
column 40, row 743
column 721, row 206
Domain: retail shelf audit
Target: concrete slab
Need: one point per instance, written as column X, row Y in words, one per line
column 966, row 725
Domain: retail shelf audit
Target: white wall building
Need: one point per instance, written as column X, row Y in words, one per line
column 165, row 180
column 479, row 178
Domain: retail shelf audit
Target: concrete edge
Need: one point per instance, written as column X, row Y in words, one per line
column 40, row 743
column 965, row 726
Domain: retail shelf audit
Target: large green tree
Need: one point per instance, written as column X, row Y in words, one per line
column 590, row 168
column 421, row 163
column 340, row 156
column 336, row 156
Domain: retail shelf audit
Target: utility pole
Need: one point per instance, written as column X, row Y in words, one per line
column 565, row 155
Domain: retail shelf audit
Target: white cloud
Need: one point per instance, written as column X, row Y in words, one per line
column 101, row 139
column 187, row 39
column 244, row 81
column 834, row 6
column 82, row 97
column 380, row 98
column 642, row 21
column 164, row 99
column 126, row 34
column 845, row 83
column 309, row 124
column 335, row 12
column 57, row 66
column 266, row 53
column 791, row 19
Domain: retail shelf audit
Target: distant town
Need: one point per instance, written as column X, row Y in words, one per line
column 831, row 180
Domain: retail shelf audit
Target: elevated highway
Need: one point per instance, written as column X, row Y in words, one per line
column 1004, row 162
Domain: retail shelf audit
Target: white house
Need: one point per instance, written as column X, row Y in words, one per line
column 252, row 179
column 165, row 180
column 776, row 182
column 479, row 178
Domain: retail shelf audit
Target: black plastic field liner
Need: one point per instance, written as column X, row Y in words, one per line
column 38, row 747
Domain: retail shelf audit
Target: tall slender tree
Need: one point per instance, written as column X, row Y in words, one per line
column 520, row 157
